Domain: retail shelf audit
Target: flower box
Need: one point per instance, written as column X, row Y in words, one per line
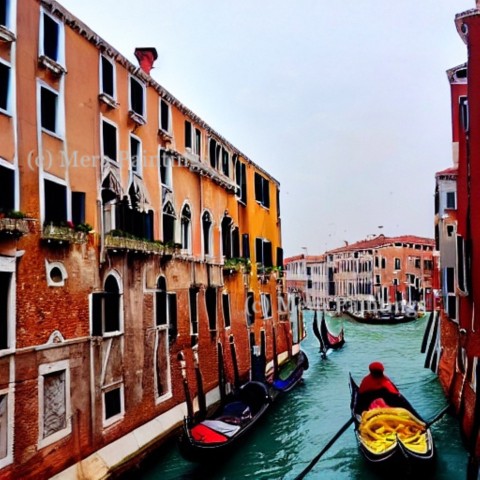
column 14, row 226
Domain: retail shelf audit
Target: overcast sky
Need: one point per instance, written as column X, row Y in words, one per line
column 346, row 103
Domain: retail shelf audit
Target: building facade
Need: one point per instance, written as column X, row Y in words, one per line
column 370, row 274
column 457, row 233
column 140, row 254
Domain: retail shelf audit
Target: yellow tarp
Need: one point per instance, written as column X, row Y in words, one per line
column 381, row 428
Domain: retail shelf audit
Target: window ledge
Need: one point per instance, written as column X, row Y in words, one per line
column 52, row 65
column 137, row 118
column 108, row 100
column 5, row 112
column 165, row 136
column 6, row 35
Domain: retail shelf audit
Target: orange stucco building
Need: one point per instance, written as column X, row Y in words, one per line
column 140, row 254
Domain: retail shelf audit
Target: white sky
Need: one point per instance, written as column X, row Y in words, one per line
column 346, row 103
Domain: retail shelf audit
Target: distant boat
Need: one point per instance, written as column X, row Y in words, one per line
column 327, row 340
column 381, row 318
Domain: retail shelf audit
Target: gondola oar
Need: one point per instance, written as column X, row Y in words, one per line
column 324, row 449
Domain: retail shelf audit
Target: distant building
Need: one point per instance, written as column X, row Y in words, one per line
column 369, row 274
column 145, row 280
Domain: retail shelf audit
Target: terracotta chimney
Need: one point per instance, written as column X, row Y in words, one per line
column 146, row 57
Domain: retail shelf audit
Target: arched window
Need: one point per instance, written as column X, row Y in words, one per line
column 112, row 305
column 207, row 233
column 106, row 308
column 168, row 223
column 186, row 229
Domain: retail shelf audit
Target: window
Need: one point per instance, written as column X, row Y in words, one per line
column 106, row 309
column 214, row 153
column 5, row 440
column 109, row 140
column 207, row 233
column 241, row 181
column 162, row 324
column 54, row 402
column 168, row 223
column 52, row 39
column 227, row 236
column 186, row 229
column 6, row 313
column 226, row 309
column 449, row 298
column 250, row 308
column 463, row 264
column 5, row 87
column 225, row 162
column 165, row 116
column 450, row 200
column 135, row 155
column 266, row 302
column 418, row 262
column 246, row 245
column 3, row 12
column 55, row 195
column 397, row 264
column 188, row 135
column 7, row 14
column 165, row 161
column 107, row 77
column 7, row 187
column 263, row 252
column 464, row 113
column 262, row 193
column 113, row 407
column 384, row 262
column 193, row 302
column 49, row 108
column 197, row 144
column 78, row 207
column 137, row 97
column 211, row 303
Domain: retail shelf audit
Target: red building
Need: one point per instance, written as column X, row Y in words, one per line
column 457, row 227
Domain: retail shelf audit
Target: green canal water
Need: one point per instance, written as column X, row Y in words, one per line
column 301, row 423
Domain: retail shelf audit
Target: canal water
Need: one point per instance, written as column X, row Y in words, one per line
column 301, row 423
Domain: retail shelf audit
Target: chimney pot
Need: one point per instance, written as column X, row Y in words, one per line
column 146, row 58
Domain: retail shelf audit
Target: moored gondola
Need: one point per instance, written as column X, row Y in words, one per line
column 290, row 373
column 211, row 438
column 391, row 435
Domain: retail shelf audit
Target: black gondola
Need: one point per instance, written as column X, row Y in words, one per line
column 327, row 340
column 208, row 439
column 290, row 372
column 392, row 437
column 380, row 319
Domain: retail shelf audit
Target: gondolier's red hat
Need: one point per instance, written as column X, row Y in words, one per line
column 376, row 367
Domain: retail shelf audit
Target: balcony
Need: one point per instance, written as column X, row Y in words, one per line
column 231, row 266
column 65, row 234
column 122, row 241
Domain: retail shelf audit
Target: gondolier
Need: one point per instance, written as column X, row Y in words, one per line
column 377, row 380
